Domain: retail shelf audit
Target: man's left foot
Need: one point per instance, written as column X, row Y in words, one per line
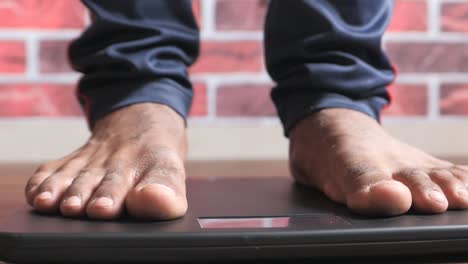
column 348, row 156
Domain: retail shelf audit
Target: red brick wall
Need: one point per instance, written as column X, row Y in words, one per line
column 427, row 41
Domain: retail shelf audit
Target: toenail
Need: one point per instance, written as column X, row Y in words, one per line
column 44, row 196
column 72, row 201
column 437, row 196
column 103, row 202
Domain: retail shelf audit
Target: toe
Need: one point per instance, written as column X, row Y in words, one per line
column 156, row 201
column 427, row 196
column 372, row 191
column 160, row 194
column 454, row 189
column 385, row 198
column 107, row 200
column 50, row 192
column 42, row 173
column 72, row 205
column 76, row 197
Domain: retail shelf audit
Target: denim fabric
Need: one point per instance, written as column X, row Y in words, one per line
column 135, row 51
column 325, row 54
column 321, row 53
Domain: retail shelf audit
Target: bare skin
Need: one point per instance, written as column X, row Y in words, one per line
column 133, row 161
column 348, row 156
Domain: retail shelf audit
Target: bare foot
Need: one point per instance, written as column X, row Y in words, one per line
column 133, row 160
column 348, row 156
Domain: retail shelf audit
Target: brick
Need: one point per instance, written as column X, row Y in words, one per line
column 407, row 100
column 12, row 57
column 454, row 99
column 196, row 9
column 244, row 100
column 428, row 57
column 228, row 57
column 409, row 15
column 199, row 104
column 54, row 57
column 41, row 14
column 25, row 100
column 454, row 17
column 240, row 15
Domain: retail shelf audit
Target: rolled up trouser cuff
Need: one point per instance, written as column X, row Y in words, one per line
column 298, row 106
column 163, row 91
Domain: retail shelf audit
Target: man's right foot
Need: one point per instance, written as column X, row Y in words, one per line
column 133, row 161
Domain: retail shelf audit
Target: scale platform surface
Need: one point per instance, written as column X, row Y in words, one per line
column 245, row 219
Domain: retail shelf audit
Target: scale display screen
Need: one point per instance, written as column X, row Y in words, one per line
column 245, row 222
column 293, row 221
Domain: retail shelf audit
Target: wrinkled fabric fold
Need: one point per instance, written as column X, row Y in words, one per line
column 327, row 54
column 135, row 52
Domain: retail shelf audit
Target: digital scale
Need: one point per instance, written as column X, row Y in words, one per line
column 258, row 219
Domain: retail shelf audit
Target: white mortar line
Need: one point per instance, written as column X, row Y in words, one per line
column 224, row 78
column 454, row 1
column 412, row 79
column 233, row 36
column 442, row 77
column 408, row 36
column 446, row 119
column 433, row 85
column 233, row 121
column 403, row 120
column 13, row 37
column 32, row 57
column 261, row 77
column 55, row 78
column 444, row 37
column 433, row 17
column 237, row 77
column 198, row 121
column 211, row 100
column 455, row 78
column 38, row 120
column 43, row 34
column 244, row 121
column 208, row 12
column 228, row 121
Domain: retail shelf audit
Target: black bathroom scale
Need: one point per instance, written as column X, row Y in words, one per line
column 258, row 219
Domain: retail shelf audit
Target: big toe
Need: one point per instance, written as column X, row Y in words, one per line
column 384, row 198
column 155, row 201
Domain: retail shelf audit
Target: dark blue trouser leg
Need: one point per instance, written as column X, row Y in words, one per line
column 135, row 51
column 326, row 54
